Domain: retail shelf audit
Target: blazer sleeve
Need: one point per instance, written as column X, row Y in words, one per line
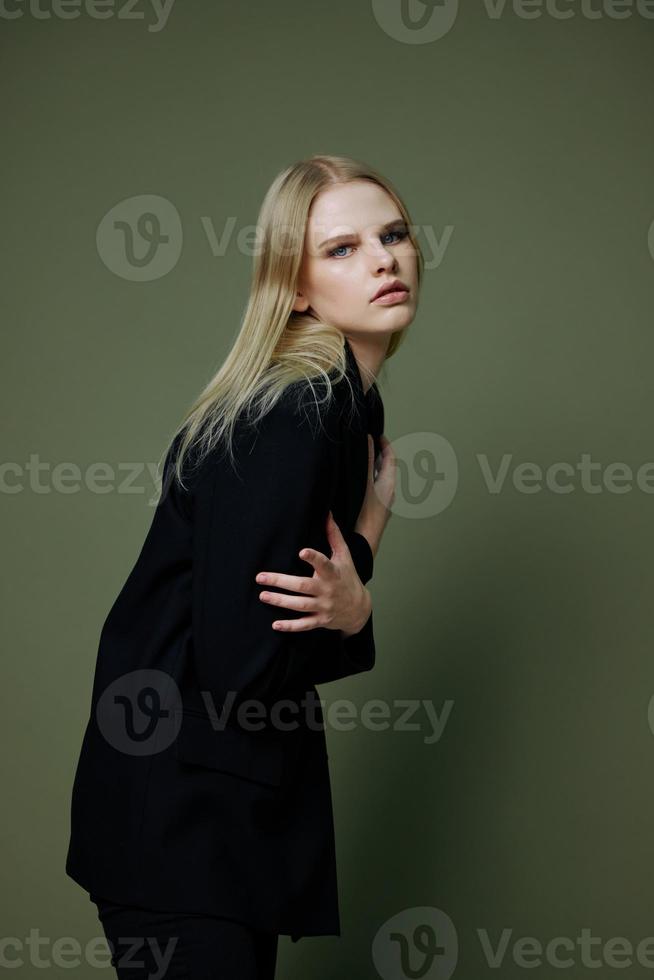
column 258, row 519
column 362, row 557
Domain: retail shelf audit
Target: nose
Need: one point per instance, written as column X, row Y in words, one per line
column 381, row 257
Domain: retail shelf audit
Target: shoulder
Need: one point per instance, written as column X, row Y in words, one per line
column 301, row 431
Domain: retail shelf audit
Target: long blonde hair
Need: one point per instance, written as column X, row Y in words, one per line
column 277, row 346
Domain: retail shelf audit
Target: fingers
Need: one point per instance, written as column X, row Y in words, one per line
column 300, row 583
column 296, row 625
column 304, row 603
column 301, row 603
column 334, row 536
column 310, row 588
column 321, row 563
column 294, row 583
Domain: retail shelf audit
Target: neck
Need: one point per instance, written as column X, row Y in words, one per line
column 369, row 352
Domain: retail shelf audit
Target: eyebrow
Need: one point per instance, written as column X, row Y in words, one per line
column 389, row 226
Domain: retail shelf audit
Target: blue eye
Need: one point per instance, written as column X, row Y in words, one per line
column 334, row 250
column 400, row 235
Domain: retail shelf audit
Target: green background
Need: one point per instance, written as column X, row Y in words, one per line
column 530, row 612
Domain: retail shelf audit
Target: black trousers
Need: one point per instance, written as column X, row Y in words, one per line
column 150, row 945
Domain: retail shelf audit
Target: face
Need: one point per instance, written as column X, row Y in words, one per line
column 356, row 241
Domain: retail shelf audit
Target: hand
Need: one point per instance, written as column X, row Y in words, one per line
column 380, row 493
column 334, row 594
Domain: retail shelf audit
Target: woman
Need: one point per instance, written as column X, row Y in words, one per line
column 201, row 814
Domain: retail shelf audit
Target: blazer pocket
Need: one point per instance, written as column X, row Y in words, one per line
column 257, row 756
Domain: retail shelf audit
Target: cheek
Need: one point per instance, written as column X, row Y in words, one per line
column 408, row 259
column 339, row 283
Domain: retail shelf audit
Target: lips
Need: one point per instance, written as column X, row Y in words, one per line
column 390, row 287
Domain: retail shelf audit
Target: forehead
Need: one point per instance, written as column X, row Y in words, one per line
column 352, row 208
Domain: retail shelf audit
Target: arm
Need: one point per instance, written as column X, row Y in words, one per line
column 261, row 517
column 380, row 494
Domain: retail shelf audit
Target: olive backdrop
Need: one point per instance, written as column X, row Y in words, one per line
column 494, row 784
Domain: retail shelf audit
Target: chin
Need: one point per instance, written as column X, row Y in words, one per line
column 400, row 315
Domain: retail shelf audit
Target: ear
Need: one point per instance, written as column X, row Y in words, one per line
column 301, row 304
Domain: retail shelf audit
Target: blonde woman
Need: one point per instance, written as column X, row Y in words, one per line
column 201, row 821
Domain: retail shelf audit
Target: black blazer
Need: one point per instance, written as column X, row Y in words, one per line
column 170, row 809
